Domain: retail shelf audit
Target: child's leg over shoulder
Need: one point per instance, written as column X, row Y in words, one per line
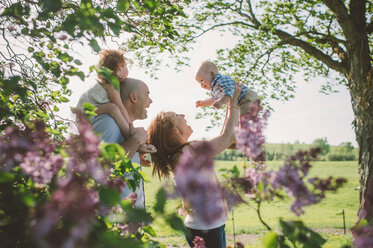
column 113, row 110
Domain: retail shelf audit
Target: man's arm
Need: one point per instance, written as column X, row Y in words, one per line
column 110, row 133
column 137, row 136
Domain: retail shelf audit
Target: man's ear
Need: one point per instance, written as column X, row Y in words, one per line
column 212, row 74
column 132, row 97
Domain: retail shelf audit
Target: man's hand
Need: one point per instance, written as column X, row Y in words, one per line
column 137, row 136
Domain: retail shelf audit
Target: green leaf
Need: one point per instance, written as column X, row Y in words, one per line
column 28, row 200
column 115, row 28
column 135, row 215
column 160, row 201
column 260, row 187
column 52, row 131
column 144, row 176
column 64, row 99
column 108, row 75
column 93, row 43
column 6, row 177
column 78, row 62
column 111, row 239
column 176, row 222
column 80, row 74
column 123, row 5
column 150, row 231
column 88, row 106
column 296, row 231
column 270, row 240
column 41, row 114
column 109, row 196
column 90, row 113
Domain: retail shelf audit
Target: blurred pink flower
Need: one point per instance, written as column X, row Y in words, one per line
column 196, row 182
column 198, row 242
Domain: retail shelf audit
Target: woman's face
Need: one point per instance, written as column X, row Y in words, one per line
column 182, row 126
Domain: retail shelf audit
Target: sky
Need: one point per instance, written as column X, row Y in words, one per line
column 309, row 116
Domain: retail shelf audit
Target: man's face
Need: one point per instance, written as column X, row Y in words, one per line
column 143, row 101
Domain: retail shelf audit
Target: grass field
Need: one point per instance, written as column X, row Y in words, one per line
column 325, row 215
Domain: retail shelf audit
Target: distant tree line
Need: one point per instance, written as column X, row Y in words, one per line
column 343, row 152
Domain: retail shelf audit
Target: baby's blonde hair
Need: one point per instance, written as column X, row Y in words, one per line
column 207, row 66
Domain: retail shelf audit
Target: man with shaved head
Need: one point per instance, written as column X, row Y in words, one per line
column 135, row 98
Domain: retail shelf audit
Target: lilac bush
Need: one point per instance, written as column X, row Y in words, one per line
column 73, row 205
column 84, row 153
column 33, row 150
column 363, row 236
column 196, row 182
column 249, row 134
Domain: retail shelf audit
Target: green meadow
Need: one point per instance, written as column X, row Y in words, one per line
column 323, row 216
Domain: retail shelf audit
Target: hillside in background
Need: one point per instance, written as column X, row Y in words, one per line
column 343, row 152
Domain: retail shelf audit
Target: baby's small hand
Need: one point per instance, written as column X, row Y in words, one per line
column 198, row 103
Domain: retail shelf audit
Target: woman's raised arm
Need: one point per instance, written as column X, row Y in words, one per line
column 227, row 137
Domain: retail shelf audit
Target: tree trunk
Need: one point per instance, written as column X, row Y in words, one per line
column 363, row 109
column 361, row 90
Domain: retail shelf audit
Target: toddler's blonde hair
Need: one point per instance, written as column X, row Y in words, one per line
column 111, row 59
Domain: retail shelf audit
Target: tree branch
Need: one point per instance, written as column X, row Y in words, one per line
column 343, row 18
column 268, row 53
column 311, row 50
column 220, row 25
column 254, row 20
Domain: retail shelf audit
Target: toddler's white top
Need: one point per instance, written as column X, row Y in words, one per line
column 96, row 95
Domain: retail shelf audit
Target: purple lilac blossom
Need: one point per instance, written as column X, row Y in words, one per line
column 196, row 182
column 124, row 228
column 73, row 205
column 83, row 151
column 249, row 135
column 198, row 242
column 33, row 150
column 363, row 236
column 291, row 178
column 239, row 245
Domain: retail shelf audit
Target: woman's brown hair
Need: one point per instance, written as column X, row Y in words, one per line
column 111, row 59
column 161, row 133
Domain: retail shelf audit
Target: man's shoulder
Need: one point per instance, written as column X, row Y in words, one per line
column 107, row 128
